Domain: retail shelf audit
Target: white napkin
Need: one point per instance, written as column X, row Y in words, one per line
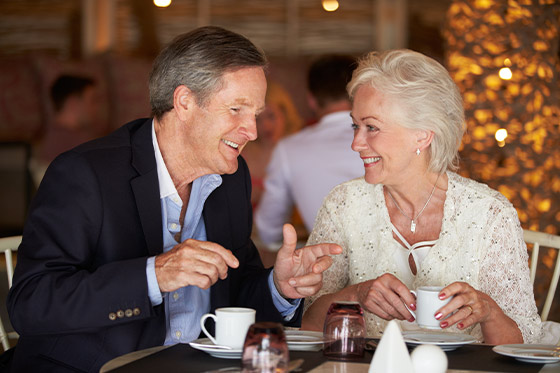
column 391, row 354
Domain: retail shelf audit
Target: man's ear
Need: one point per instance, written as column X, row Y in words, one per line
column 183, row 100
column 312, row 102
column 423, row 139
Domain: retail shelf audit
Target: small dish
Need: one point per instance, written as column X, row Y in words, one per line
column 447, row 341
column 530, row 353
column 206, row 345
column 303, row 340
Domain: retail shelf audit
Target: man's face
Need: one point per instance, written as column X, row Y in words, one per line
column 220, row 129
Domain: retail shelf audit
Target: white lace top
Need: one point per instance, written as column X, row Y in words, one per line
column 481, row 243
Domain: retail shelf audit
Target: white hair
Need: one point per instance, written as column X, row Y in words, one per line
column 430, row 98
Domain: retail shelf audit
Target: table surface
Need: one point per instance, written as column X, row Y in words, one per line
column 183, row 358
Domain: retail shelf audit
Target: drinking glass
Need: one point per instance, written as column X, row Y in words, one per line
column 344, row 331
column 265, row 349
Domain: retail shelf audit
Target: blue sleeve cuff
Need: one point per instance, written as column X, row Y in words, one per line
column 153, row 286
column 286, row 308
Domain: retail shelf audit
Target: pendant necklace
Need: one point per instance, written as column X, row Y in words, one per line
column 413, row 220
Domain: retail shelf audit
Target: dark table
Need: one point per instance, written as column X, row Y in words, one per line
column 183, row 358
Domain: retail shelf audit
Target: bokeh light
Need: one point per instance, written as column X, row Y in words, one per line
column 504, row 58
column 330, row 5
column 505, row 73
column 162, row 3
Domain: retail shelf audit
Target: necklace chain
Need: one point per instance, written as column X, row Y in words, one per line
column 412, row 220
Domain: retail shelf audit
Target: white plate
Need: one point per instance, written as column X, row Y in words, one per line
column 446, row 341
column 302, row 340
column 206, row 345
column 530, row 353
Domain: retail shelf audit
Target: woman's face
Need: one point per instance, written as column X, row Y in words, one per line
column 271, row 124
column 386, row 148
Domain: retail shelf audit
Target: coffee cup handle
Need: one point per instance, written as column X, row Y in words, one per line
column 409, row 310
column 202, row 320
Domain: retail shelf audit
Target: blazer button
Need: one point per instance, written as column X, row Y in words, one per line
column 112, row 316
column 120, row 314
column 128, row 312
column 136, row 311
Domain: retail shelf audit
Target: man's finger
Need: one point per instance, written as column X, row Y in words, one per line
column 226, row 255
column 310, row 279
column 290, row 241
column 307, row 291
column 324, row 249
column 322, row 264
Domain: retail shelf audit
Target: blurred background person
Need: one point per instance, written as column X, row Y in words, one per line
column 279, row 118
column 304, row 167
column 75, row 102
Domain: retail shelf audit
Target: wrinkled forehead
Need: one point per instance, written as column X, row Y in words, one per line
column 244, row 86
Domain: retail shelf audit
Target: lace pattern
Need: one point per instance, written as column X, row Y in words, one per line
column 481, row 243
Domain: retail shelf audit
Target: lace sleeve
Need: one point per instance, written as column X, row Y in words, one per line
column 504, row 272
column 327, row 230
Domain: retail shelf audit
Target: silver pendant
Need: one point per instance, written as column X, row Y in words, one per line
column 412, row 226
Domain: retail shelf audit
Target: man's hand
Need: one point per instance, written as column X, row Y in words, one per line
column 299, row 273
column 192, row 262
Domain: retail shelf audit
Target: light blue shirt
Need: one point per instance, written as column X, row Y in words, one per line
column 185, row 306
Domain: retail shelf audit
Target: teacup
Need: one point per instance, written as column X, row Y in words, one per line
column 232, row 324
column 427, row 304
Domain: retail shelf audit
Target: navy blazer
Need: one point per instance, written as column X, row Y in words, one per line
column 80, row 294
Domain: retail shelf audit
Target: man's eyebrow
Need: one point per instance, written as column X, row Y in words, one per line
column 245, row 102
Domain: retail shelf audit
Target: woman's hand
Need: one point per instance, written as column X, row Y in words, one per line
column 385, row 297
column 472, row 306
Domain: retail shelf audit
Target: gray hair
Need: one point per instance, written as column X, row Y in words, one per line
column 430, row 99
column 198, row 60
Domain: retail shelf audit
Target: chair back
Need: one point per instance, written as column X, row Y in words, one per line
column 16, row 188
column 7, row 246
column 538, row 240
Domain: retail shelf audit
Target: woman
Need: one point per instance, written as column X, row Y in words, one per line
column 279, row 118
column 411, row 221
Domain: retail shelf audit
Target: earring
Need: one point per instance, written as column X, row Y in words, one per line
column 418, row 151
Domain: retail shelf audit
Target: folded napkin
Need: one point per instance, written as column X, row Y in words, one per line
column 391, row 354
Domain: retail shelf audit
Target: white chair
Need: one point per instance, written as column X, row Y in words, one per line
column 540, row 239
column 7, row 245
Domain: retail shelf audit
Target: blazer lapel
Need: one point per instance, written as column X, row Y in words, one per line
column 216, row 214
column 146, row 187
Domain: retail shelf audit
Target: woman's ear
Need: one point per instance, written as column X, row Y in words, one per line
column 424, row 139
column 182, row 101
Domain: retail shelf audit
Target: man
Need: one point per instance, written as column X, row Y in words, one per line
column 304, row 167
column 133, row 237
column 76, row 108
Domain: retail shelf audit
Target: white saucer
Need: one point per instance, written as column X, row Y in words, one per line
column 446, row 341
column 530, row 353
column 206, row 345
column 303, row 340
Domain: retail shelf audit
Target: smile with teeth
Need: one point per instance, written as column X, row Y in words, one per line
column 230, row 143
column 371, row 160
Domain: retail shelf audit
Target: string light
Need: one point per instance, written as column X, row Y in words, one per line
column 504, row 57
column 501, row 136
column 505, row 73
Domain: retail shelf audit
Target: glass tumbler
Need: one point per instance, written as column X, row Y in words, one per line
column 344, row 332
column 265, row 349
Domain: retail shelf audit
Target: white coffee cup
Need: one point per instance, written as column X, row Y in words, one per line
column 232, row 324
column 427, row 304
